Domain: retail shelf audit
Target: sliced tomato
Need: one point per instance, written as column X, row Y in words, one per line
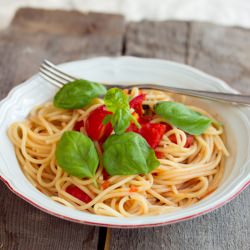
column 189, row 142
column 105, row 174
column 152, row 132
column 95, row 129
column 79, row 125
column 159, row 154
column 145, row 119
column 78, row 193
column 168, row 126
column 133, row 128
column 136, row 103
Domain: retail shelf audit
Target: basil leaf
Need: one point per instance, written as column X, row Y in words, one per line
column 76, row 154
column 106, row 119
column 117, row 102
column 77, row 94
column 183, row 117
column 121, row 120
column 116, row 99
column 128, row 154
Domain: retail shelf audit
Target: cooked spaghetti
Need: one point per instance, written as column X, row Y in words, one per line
column 191, row 167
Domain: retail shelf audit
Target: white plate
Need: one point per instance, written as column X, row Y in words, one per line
column 24, row 97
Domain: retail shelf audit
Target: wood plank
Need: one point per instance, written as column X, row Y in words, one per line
column 60, row 36
column 223, row 52
column 23, row 46
column 167, row 40
column 24, row 227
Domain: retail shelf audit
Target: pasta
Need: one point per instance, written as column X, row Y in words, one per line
column 185, row 174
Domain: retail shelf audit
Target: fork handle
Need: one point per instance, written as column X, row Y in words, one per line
column 216, row 96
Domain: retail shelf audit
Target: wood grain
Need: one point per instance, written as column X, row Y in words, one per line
column 167, row 40
column 220, row 51
column 60, row 36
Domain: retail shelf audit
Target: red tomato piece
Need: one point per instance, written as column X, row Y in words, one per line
column 78, row 193
column 168, row 126
column 152, row 132
column 78, row 125
column 105, row 174
column 189, row 142
column 95, row 129
column 159, row 154
column 133, row 128
column 136, row 103
column 145, row 119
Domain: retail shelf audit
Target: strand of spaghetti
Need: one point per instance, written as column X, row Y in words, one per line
column 161, row 198
column 62, row 201
column 140, row 199
column 106, row 191
column 102, row 209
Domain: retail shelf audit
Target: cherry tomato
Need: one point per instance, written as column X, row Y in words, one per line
column 145, row 119
column 105, row 174
column 78, row 125
column 78, row 193
column 159, row 154
column 152, row 132
column 95, row 129
column 136, row 103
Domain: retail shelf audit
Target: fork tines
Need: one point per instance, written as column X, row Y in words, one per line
column 54, row 75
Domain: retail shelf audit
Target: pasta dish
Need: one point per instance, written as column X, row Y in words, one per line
column 120, row 153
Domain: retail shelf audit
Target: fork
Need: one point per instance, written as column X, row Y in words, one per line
column 57, row 77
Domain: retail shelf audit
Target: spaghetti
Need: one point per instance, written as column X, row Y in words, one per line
column 185, row 174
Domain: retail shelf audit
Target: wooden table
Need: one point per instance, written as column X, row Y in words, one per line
column 64, row 36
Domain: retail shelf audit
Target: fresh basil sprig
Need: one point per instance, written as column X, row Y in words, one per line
column 117, row 102
column 77, row 94
column 128, row 154
column 183, row 117
column 76, row 154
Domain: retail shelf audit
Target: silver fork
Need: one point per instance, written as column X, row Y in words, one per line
column 57, row 77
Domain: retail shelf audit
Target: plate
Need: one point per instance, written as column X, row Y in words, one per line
column 17, row 105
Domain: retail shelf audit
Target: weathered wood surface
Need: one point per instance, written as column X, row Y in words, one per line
column 60, row 36
column 56, row 35
column 222, row 52
column 64, row 36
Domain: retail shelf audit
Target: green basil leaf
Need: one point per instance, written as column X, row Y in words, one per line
column 116, row 99
column 128, row 154
column 77, row 94
column 117, row 102
column 106, row 119
column 76, row 154
column 121, row 120
column 183, row 117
